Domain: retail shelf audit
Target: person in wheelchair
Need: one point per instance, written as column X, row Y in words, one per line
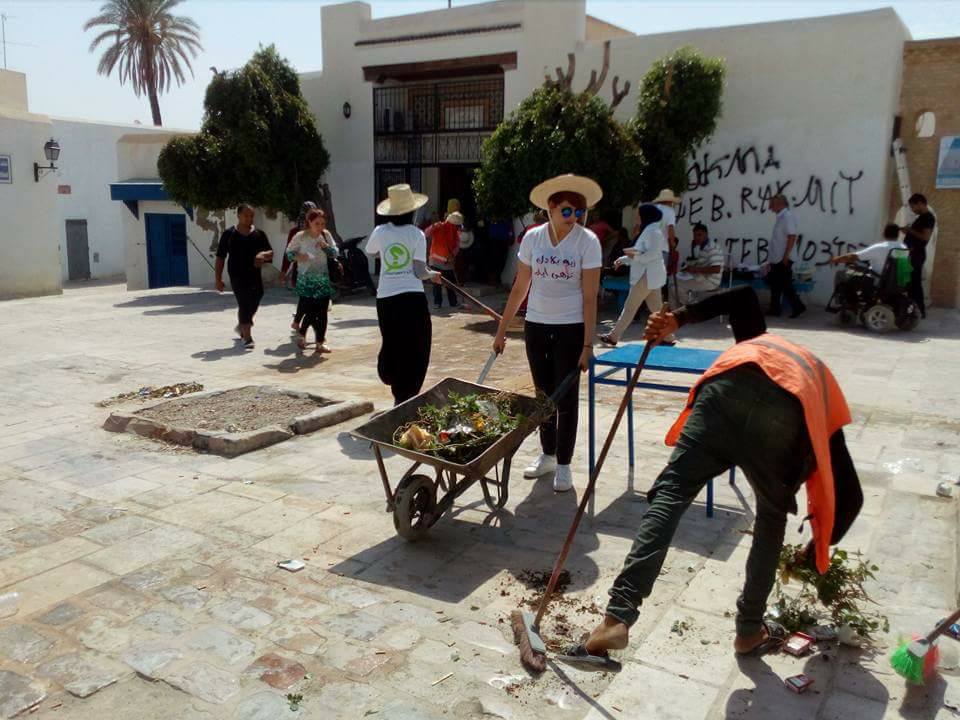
column 874, row 285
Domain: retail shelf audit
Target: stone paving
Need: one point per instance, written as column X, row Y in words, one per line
column 146, row 577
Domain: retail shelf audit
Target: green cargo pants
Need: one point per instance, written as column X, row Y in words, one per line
column 740, row 418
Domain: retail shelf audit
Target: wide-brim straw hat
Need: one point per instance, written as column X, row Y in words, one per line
column 590, row 190
column 401, row 200
column 666, row 197
column 455, row 218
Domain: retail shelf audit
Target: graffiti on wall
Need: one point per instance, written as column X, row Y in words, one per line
column 738, row 184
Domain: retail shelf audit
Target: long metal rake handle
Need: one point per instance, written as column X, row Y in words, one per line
column 562, row 558
column 456, row 288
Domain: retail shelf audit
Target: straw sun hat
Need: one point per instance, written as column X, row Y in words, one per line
column 455, row 218
column 401, row 200
column 666, row 197
column 566, row 183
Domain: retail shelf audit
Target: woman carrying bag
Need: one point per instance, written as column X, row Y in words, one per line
column 312, row 249
column 559, row 264
column 647, row 273
column 402, row 310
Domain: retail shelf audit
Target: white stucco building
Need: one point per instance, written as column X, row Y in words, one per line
column 809, row 109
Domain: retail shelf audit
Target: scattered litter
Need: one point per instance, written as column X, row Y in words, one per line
column 945, row 489
column 745, row 531
column 616, row 708
column 248, row 482
column 798, row 683
column 370, row 712
column 824, row 633
column 9, row 604
column 291, row 565
column 444, row 619
column 445, row 677
column 455, row 655
column 308, row 676
column 295, row 701
column 679, row 627
column 704, row 642
column 474, row 607
column 151, row 393
column 201, row 587
column 380, row 652
column 798, row 644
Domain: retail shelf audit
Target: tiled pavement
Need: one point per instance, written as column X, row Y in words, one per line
column 146, row 574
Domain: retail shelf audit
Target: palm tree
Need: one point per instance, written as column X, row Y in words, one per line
column 149, row 46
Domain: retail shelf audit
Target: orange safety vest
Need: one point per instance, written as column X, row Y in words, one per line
column 803, row 375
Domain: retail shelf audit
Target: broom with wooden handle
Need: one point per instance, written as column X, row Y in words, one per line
column 526, row 626
column 917, row 660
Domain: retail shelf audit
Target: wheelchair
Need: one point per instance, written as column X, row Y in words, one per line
column 879, row 301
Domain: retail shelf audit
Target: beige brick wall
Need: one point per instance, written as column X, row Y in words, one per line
column 931, row 82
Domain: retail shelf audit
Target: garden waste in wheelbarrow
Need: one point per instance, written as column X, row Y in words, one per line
column 414, row 502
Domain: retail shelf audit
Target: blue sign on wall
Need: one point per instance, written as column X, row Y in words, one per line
column 6, row 169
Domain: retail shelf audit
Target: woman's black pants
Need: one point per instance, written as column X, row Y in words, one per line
column 553, row 352
column 406, row 333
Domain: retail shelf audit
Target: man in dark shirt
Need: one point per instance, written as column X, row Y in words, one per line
column 917, row 235
column 744, row 417
column 245, row 249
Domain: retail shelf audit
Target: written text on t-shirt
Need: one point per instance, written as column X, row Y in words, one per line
column 556, row 290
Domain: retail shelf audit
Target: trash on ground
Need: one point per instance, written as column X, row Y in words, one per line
column 679, row 627
column 798, row 644
column 798, row 683
column 445, row 677
column 945, row 489
column 151, row 393
column 824, row 633
column 291, row 565
column 295, row 701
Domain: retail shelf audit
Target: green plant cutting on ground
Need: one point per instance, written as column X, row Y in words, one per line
column 839, row 593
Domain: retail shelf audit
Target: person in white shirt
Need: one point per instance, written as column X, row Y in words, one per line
column 647, row 274
column 402, row 311
column 875, row 255
column 559, row 264
column 666, row 203
column 703, row 270
column 782, row 241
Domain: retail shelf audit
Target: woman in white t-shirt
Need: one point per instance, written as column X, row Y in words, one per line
column 647, row 273
column 560, row 267
column 402, row 312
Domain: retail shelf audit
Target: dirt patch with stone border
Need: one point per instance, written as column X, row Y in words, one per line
column 237, row 410
column 236, row 421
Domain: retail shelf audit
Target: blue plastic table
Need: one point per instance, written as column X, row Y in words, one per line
column 615, row 367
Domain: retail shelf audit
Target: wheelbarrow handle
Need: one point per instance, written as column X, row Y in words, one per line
column 456, row 288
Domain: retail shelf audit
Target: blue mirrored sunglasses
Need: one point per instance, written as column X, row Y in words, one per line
column 568, row 211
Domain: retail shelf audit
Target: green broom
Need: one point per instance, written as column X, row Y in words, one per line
column 917, row 660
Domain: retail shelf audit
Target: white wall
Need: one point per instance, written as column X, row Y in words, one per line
column 815, row 101
column 822, row 93
column 88, row 164
column 29, row 259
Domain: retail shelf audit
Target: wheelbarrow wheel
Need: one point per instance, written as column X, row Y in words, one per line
column 415, row 504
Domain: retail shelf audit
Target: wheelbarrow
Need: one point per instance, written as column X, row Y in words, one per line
column 414, row 502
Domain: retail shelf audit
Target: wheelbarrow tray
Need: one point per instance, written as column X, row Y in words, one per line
column 381, row 429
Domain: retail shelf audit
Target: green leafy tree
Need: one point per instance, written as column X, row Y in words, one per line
column 681, row 98
column 258, row 143
column 147, row 44
column 552, row 132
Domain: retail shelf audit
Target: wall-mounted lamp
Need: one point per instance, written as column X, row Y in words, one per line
column 347, row 109
column 51, row 151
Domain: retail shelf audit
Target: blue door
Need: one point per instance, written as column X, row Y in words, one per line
column 166, row 250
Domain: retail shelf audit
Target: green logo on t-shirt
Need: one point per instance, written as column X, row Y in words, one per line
column 397, row 257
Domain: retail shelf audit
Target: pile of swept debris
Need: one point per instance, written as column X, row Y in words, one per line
column 152, row 393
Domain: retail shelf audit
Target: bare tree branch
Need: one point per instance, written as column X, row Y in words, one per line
column 596, row 83
column 619, row 95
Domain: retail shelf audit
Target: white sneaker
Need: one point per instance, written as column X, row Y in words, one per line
column 563, row 480
column 544, row 465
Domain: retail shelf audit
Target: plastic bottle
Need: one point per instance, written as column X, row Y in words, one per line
column 9, row 604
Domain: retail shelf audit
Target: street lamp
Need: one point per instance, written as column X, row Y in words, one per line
column 51, row 151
